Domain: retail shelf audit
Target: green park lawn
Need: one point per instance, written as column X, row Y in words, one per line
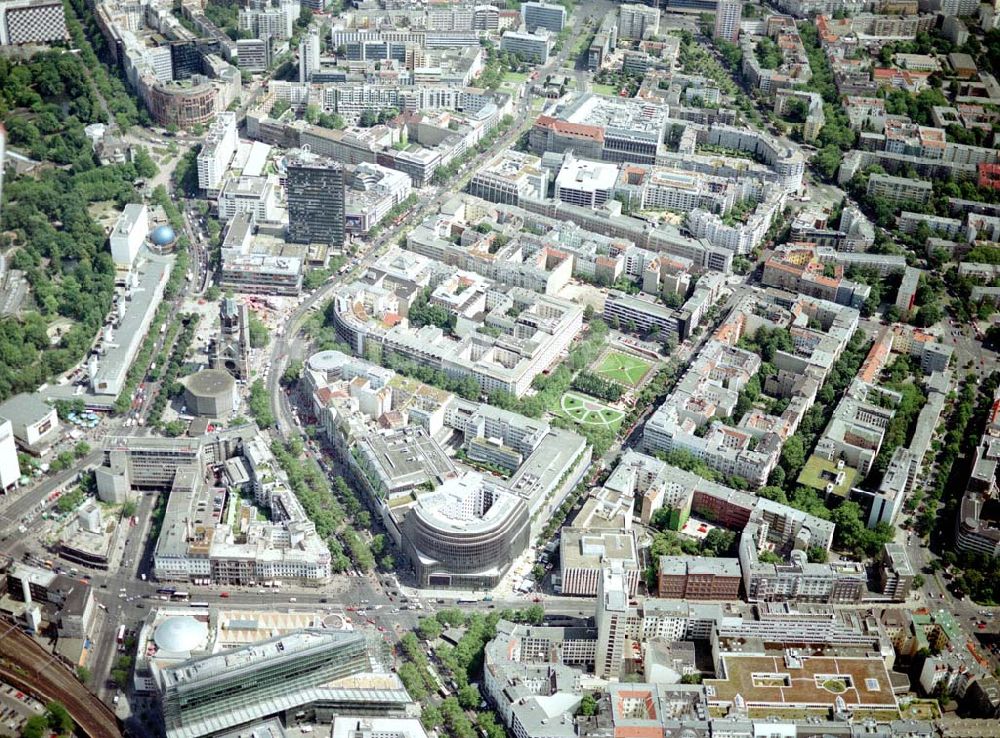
column 624, row 369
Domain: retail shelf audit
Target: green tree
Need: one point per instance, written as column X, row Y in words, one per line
column 588, row 706
column 81, row 449
column 718, row 542
column 468, row 697
column 174, row 428
column 816, row 554
column 35, row 727
column 292, row 372
column 58, row 719
column 429, row 628
column 793, row 455
column 259, row 333
column 431, row 718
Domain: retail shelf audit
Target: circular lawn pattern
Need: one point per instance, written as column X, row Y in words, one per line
column 589, row 412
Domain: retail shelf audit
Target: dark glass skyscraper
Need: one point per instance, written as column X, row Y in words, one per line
column 315, row 187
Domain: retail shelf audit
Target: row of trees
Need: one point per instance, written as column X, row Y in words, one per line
column 312, row 489
column 110, row 86
column 445, row 174
column 597, row 386
column 836, row 136
column 169, row 386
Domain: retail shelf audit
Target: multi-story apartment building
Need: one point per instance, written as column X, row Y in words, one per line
column 843, row 582
column 533, row 330
column 798, row 269
column 217, row 152
column 640, row 313
column 899, row 189
column 727, row 20
column 794, row 68
column 10, row 469
column 697, row 578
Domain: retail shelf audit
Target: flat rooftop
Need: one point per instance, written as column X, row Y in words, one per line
column 587, row 548
column 145, row 297
column 805, row 681
column 634, row 116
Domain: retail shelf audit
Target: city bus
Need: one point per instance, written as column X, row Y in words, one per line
column 121, row 635
column 467, row 601
column 178, row 596
column 198, row 604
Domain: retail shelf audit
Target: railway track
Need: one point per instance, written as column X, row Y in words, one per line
column 30, row 668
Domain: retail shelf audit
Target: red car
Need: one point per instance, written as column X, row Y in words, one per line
column 223, row 594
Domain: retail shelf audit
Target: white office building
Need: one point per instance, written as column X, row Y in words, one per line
column 217, row 152
column 253, row 54
column 309, row 56
column 637, row 21
column 531, row 47
column 251, row 195
column 10, row 471
column 549, row 16
column 586, row 183
column 129, row 233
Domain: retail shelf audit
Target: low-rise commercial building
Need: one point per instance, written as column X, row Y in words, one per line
column 251, row 269
column 130, row 318
column 34, row 424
